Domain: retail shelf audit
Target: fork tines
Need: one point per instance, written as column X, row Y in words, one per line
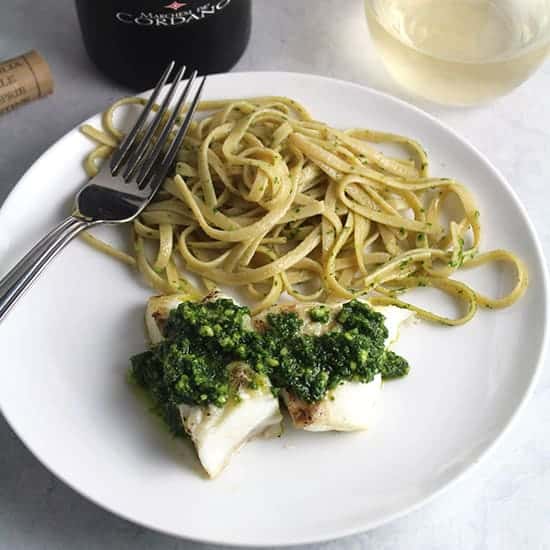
column 144, row 153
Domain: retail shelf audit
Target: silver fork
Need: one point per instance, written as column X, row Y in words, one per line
column 122, row 188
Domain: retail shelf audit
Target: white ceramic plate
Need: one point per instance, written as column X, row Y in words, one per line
column 66, row 348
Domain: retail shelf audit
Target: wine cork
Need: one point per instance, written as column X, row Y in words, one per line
column 22, row 79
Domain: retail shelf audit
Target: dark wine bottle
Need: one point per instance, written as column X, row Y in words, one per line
column 132, row 41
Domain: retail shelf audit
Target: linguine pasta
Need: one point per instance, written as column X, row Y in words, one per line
column 265, row 198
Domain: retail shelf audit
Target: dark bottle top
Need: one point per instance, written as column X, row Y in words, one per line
column 132, row 41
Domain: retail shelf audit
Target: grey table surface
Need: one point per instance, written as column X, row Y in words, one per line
column 505, row 502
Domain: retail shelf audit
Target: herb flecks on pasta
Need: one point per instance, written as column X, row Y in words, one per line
column 266, row 198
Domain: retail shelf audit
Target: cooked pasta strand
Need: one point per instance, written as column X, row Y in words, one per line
column 269, row 200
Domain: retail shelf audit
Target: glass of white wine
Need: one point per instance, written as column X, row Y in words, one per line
column 460, row 52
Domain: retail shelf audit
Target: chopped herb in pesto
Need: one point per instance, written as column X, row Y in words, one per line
column 195, row 363
column 309, row 366
column 190, row 365
column 393, row 365
column 319, row 314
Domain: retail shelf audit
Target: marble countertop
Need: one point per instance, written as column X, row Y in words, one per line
column 504, row 503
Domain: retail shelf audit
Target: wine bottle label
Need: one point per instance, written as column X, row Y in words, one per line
column 173, row 14
column 22, row 79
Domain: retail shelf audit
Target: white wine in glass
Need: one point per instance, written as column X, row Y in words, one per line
column 460, row 52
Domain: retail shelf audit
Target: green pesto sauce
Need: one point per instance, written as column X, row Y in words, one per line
column 319, row 314
column 202, row 340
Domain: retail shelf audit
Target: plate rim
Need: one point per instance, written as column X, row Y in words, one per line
column 362, row 527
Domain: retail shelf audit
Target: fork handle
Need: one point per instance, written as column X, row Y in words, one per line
column 19, row 279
